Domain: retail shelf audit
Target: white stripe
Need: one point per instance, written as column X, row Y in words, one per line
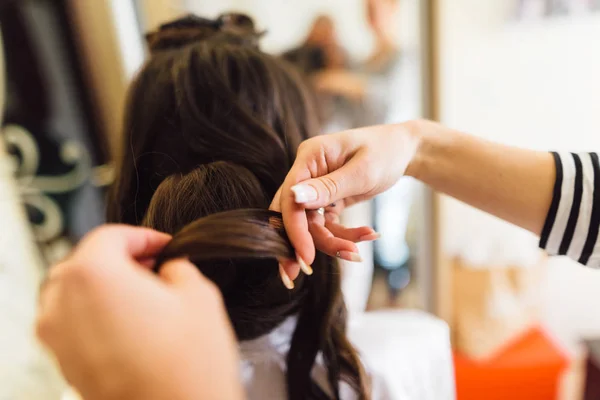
column 585, row 209
column 564, row 208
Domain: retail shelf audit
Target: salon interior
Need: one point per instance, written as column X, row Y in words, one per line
column 483, row 313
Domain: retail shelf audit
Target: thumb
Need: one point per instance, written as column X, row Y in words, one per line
column 347, row 181
column 181, row 273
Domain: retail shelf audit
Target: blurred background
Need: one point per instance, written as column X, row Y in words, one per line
column 523, row 72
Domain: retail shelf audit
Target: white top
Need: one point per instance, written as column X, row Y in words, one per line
column 573, row 220
column 26, row 371
column 406, row 353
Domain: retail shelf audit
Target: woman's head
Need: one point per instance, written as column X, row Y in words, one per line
column 212, row 128
column 208, row 94
column 322, row 31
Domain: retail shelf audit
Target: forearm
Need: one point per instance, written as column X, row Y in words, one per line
column 511, row 183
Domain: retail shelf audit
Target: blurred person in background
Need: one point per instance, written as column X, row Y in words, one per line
column 383, row 89
column 317, row 57
column 388, row 87
column 386, row 73
column 320, row 49
column 393, row 95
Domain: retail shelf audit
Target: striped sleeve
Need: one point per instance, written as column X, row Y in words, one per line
column 573, row 220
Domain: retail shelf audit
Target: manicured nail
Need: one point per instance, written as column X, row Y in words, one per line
column 287, row 282
column 304, row 193
column 349, row 256
column 304, row 266
column 370, row 237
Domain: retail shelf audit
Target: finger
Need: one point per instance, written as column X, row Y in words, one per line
column 333, row 246
column 289, row 270
column 143, row 242
column 147, row 263
column 119, row 240
column 335, row 208
column 294, row 216
column 181, row 273
column 285, row 278
column 363, row 233
column 290, row 267
column 332, row 217
column 276, row 203
column 345, row 182
column 314, row 155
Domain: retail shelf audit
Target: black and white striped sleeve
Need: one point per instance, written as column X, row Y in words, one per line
column 573, row 220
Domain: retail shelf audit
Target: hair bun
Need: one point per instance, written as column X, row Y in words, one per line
column 236, row 28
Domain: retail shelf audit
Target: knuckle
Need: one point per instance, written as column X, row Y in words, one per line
column 90, row 240
column 310, row 146
column 303, row 146
column 104, row 232
column 331, row 186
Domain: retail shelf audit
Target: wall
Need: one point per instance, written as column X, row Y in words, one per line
column 533, row 84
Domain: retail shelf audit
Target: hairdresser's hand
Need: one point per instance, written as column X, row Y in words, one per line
column 120, row 332
column 331, row 237
column 349, row 166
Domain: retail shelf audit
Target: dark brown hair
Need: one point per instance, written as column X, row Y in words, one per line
column 212, row 127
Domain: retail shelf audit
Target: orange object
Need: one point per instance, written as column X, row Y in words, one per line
column 527, row 369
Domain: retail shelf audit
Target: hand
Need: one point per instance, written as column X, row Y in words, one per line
column 332, row 238
column 120, row 332
column 348, row 167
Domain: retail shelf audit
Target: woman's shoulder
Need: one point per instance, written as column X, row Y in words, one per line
column 406, row 352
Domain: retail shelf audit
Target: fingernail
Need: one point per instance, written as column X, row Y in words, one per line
column 370, row 237
column 349, row 256
column 287, row 282
column 304, row 266
column 304, row 193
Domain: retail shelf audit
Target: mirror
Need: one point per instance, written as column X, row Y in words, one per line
column 366, row 61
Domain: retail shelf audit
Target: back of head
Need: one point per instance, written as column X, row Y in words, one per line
column 208, row 94
column 212, row 128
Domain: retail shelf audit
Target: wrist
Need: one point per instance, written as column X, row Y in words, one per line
column 434, row 144
column 416, row 135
